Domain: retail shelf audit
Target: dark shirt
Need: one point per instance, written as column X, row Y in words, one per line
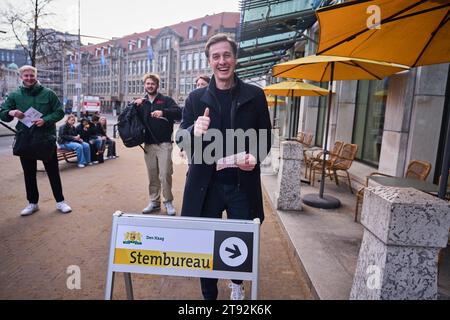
column 229, row 175
column 159, row 130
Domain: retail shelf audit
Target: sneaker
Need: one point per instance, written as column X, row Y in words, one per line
column 90, row 164
column 169, row 208
column 30, row 209
column 95, row 162
column 237, row 291
column 63, row 207
column 81, row 165
column 152, row 206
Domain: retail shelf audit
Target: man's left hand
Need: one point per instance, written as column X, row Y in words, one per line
column 248, row 164
column 157, row 114
column 39, row 123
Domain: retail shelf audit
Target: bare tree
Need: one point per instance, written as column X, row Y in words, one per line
column 26, row 24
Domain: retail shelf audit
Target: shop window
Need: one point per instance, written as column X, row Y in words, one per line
column 369, row 120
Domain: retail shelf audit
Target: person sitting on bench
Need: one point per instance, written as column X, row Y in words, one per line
column 68, row 138
column 86, row 131
column 111, row 144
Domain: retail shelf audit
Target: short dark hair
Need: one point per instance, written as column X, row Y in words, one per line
column 203, row 77
column 95, row 118
column 220, row 37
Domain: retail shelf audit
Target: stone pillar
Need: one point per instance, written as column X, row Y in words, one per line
column 288, row 197
column 404, row 229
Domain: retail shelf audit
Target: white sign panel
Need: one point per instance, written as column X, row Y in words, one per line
column 199, row 247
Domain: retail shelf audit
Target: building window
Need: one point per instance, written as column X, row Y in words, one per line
column 189, row 61
column 167, row 43
column 183, row 62
column 204, row 30
column 182, row 86
column 196, row 61
column 188, row 85
column 321, row 116
column 139, row 43
column 163, row 64
column 369, row 120
column 203, row 61
column 190, row 33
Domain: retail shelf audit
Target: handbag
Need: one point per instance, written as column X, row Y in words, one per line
column 34, row 143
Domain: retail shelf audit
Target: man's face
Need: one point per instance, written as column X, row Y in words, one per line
column 201, row 83
column 222, row 61
column 29, row 78
column 151, row 87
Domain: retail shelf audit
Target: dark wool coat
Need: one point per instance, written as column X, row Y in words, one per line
column 248, row 111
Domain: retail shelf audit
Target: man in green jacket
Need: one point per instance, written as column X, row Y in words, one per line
column 44, row 100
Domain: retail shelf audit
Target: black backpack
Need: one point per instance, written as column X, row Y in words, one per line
column 130, row 126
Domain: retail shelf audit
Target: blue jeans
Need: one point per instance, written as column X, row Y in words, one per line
column 82, row 149
column 221, row 197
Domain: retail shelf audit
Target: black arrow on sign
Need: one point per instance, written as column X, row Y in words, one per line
column 236, row 252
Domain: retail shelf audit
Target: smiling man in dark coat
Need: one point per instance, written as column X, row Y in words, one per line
column 226, row 105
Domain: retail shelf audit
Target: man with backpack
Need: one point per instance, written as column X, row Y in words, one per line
column 158, row 113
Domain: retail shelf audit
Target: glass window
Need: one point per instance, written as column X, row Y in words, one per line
column 189, row 61
column 204, row 30
column 188, row 85
column 191, row 33
column 182, row 85
column 202, row 61
column 321, row 112
column 369, row 119
column 183, row 62
column 163, row 64
column 196, row 61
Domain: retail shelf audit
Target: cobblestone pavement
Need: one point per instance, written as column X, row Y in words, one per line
column 36, row 251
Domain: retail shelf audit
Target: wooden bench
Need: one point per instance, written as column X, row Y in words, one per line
column 65, row 154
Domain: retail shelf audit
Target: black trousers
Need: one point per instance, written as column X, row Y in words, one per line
column 220, row 197
column 29, row 171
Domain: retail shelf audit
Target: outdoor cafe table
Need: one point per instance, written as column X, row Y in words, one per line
column 404, row 183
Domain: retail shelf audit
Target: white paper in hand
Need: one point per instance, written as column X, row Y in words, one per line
column 230, row 161
column 30, row 115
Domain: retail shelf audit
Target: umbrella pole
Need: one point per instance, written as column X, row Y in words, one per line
column 321, row 201
column 327, row 124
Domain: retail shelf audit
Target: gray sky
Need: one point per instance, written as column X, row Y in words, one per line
column 108, row 18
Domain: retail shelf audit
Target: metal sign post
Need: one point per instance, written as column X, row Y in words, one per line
column 183, row 246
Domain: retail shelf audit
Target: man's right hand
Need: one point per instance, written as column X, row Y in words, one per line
column 138, row 102
column 202, row 124
column 16, row 114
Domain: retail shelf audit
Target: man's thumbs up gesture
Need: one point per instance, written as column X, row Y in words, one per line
column 202, row 124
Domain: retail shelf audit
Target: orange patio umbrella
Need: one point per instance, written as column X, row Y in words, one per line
column 329, row 68
column 410, row 32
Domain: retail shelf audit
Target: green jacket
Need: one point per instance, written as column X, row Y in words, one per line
column 42, row 99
